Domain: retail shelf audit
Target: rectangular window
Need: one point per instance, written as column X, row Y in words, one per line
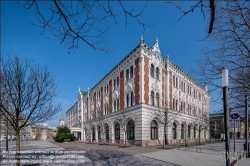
column 127, row 100
column 114, row 83
column 173, row 81
column 176, row 83
column 127, row 74
column 115, row 106
column 118, row 104
column 184, row 87
column 199, row 96
column 117, row 81
column 131, row 72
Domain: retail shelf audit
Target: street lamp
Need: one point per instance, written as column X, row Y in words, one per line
column 246, row 148
column 226, row 111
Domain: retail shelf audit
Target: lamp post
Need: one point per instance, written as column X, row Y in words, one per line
column 7, row 133
column 246, row 127
column 226, row 112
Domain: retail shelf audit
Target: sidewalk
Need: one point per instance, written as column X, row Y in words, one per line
column 207, row 155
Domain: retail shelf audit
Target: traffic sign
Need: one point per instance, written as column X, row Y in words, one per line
column 235, row 116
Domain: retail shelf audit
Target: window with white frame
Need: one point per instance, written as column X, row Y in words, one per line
column 127, row 100
column 152, row 98
column 157, row 73
column 114, row 106
column 173, row 81
column 152, row 70
column 114, row 83
column 117, row 82
column 132, row 99
column 131, row 72
column 127, row 74
column 106, row 106
column 157, row 100
column 118, row 105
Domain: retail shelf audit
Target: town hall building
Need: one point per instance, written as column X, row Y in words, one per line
column 144, row 100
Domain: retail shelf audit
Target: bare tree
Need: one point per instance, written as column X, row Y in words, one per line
column 86, row 21
column 202, row 5
column 30, row 90
column 230, row 48
column 164, row 115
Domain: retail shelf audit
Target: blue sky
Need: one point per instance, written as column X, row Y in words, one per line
column 182, row 40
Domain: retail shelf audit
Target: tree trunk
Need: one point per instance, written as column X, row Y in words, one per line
column 125, row 139
column 18, row 161
column 199, row 136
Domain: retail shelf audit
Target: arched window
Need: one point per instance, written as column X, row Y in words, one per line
column 174, row 131
column 127, row 100
column 130, row 130
column 157, row 73
column 117, row 131
column 182, row 131
column 152, row 70
column 107, row 131
column 152, row 96
column 189, row 131
column 157, row 100
column 154, row 134
column 194, row 132
column 99, row 132
column 132, row 99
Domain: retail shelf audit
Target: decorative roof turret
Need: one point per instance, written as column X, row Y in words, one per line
column 142, row 41
column 156, row 47
column 61, row 117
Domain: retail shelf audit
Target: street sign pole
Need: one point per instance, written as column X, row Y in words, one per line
column 234, row 134
column 234, row 116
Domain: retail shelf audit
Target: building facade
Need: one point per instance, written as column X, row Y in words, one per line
column 217, row 127
column 144, row 100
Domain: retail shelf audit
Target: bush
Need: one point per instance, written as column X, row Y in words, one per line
column 66, row 140
column 64, row 133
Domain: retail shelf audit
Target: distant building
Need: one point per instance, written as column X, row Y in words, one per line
column 139, row 86
column 217, row 126
column 40, row 131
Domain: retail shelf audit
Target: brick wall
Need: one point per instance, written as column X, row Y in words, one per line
column 110, row 96
column 121, row 89
column 163, row 81
column 146, row 80
column 101, row 101
column 136, row 81
column 95, row 105
column 170, row 90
